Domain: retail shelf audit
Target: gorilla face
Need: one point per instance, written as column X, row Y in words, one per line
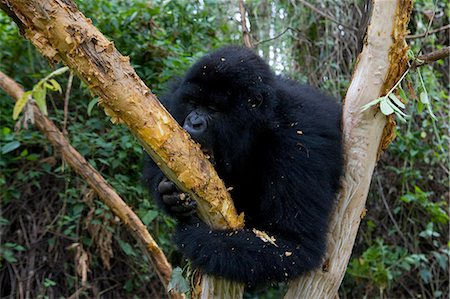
column 205, row 115
column 212, row 101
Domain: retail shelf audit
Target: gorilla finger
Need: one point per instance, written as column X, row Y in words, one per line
column 188, row 213
column 187, row 201
column 191, row 203
column 181, row 209
column 171, row 199
column 166, row 186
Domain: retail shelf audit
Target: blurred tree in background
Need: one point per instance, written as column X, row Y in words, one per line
column 50, row 218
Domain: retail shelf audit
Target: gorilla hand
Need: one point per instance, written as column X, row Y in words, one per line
column 177, row 203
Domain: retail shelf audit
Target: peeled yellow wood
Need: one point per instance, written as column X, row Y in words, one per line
column 61, row 32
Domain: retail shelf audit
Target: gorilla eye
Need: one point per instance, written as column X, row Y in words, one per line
column 213, row 108
column 255, row 101
column 192, row 102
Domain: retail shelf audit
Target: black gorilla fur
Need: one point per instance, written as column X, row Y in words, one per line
column 278, row 145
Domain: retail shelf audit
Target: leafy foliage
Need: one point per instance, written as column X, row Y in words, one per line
column 38, row 94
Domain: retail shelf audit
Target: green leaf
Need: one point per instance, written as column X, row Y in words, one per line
column 6, row 131
column 149, row 217
column 49, row 283
column 431, row 112
column 4, row 221
column 126, row 247
column 53, row 85
column 402, row 94
column 20, row 104
column 396, row 101
column 396, row 109
column 177, row 282
column 91, row 105
column 52, row 74
column 400, row 118
column 425, row 274
column 39, row 93
column 49, row 86
column 424, row 98
column 19, row 248
column 385, row 108
column 56, row 85
column 371, row 104
column 442, row 260
column 405, row 266
column 8, row 255
column 58, row 72
column 10, row 146
column 78, row 208
column 420, row 107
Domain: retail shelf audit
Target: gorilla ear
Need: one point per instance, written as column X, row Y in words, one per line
column 262, row 95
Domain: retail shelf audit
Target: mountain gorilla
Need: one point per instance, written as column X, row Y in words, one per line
column 278, row 145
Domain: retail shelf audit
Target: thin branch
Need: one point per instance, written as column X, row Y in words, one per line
column 313, row 8
column 66, row 102
column 77, row 293
column 431, row 57
column 126, row 99
column 445, row 27
column 278, row 35
column 245, row 31
column 106, row 193
column 388, row 210
column 431, row 21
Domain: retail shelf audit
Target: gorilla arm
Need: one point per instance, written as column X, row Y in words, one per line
column 243, row 255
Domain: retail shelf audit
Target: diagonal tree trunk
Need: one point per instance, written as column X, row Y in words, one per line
column 60, row 32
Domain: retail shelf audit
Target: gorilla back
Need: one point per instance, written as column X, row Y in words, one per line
column 278, row 145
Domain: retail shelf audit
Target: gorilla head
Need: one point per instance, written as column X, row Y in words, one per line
column 227, row 93
column 277, row 144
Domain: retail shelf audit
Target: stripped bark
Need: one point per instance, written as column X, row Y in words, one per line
column 431, row 57
column 60, row 32
column 245, row 32
column 380, row 64
column 105, row 192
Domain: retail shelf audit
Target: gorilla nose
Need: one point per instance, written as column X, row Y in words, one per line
column 195, row 123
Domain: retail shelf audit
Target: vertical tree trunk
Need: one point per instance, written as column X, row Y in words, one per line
column 380, row 64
